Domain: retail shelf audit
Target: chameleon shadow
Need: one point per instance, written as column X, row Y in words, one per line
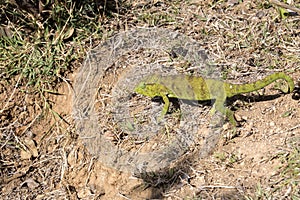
column 229, row 101
column 252, row 98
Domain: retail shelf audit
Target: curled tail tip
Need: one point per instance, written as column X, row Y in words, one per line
column 291, row 87
column 289, row 81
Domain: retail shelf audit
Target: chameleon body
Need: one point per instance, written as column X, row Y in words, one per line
column 201, row 89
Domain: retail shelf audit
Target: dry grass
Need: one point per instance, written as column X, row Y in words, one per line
column 42, row 46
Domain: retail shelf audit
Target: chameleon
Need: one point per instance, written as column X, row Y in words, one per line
column 197, row 88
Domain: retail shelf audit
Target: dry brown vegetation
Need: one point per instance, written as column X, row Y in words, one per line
column 42, row 48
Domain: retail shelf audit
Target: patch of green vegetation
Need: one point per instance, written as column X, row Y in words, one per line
column 290, row 171
column 220, row 156
column 156, row 19
column 43, row 42
column 288, row 180
column 227, row 158
column 260, row 193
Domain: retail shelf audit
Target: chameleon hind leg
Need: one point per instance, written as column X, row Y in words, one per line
column 230, row 117
column 220, row 107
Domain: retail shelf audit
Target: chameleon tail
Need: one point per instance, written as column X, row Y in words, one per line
column 234, row 89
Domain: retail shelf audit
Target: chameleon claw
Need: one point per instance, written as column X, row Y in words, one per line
column 231, row 118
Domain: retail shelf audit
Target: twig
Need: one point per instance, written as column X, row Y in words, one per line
column 216, row 186
column 286, row 6
column 295, row 127
column 11, row 96
column 20, row 173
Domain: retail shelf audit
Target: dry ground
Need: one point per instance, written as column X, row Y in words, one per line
column 42, row 156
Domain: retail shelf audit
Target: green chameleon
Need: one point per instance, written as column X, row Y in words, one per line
column 201, row 89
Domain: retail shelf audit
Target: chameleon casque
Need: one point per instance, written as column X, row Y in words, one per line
column 201, row 89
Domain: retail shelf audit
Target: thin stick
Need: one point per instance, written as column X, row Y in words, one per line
column 11, row 96
column 216, row 186
column 286, row 6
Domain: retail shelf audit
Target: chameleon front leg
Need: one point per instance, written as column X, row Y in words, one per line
column 165, row 108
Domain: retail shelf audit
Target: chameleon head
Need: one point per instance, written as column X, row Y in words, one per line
column 149, row 90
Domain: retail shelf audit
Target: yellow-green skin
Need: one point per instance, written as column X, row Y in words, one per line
column 200, row 89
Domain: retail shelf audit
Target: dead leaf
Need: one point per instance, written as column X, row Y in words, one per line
column 32, row 184
column 31, row 151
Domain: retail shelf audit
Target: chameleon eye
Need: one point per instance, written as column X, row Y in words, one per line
column 143, row 85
